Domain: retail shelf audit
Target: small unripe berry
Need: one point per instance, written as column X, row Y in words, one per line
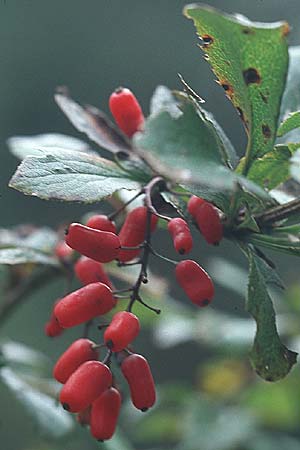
column 126, row 111
column 133, row 232
column 102, row 246
column 90, row 301
column 195, row 282
column 88, row 271
column 87, row 383
column 180, row 232
column 80, row 351
column 122, row 330
column 63, row 251
column 105, row 413
column 101, row 222
column 209, row 223
column 136, row 370
column 194, row 204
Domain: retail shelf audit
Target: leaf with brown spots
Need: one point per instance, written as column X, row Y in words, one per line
column 251, row 60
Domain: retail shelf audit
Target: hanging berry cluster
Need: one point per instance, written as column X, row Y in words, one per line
column 89, row 387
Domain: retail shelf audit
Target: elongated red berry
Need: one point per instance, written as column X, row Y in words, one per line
column 126, row 111
column 84, row 304
column 53, row 328
column 80, row 351
column 122, row 330
column 194, row 204
column 102, row 246
column 180, row 232
column 88, row 271
column 87, row 383
column 137, row 372
column 209, row 223
column 63, row 251
column 101, row 222
column 133, row 232
column 105, row 413
column 195, row 282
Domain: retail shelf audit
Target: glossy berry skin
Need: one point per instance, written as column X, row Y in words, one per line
column 63, row 251
column 101, row 222
column 136, row 370
column 102, row 246
column 87, row 383
column 126, row 111
column 195, row 282
column 181, row 235
column 133, row 232
column 122, row 330
column 194, row 204
column 89, row 271
column 84, row 304
column 104, row 414
column 53, row 328
column 78, row 353
column 209, row 223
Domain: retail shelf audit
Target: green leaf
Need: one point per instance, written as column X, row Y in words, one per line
column 274, row 167
column 14, row 256
column 69, row 176
column 289, row 244
column 190, row 147
column 270, row 358
column 291, row 96
column 24, row 359
column 22, row 146
column 52, row 420
column 241, row 53
column 290, row 123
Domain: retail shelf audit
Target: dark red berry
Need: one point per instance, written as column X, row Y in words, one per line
column 84, row 417
column 180, row 232
column 88, row 271
column 101, row 222
column 136, row 370
column 122, row 330
column 195, row 282
column 102, row 246
column 105, row 413
column 84, row 304
column 194, row 204
column 80, row 351
column 126, row 111
column 209, row 223
column 133, row 232
column 87, row 383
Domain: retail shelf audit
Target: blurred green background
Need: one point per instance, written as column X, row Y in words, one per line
column 92, row 47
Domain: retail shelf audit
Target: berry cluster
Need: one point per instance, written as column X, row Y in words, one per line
column 89, row 388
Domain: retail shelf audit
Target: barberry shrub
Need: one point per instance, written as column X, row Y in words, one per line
column 184, row 170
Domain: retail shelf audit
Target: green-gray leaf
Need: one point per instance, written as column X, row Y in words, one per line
column 241, row 54
column 14, row 256
column 270, row 358
column 290, row 123
column 68, row 176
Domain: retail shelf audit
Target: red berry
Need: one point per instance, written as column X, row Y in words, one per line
column 122, row 330
column 126, row 111
column 195, row 282
column 194, row 204
column 102, row 246
column 62, row 250
column 101, row 222
column 82, row 305
column 209, row 223
column 105, row 413
column 84, row 417
column 89, row 381
column 79, row 352
column 136, row 370
column 88, row 271
column 181, row 235
column 53, row 328
column 133, row 232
